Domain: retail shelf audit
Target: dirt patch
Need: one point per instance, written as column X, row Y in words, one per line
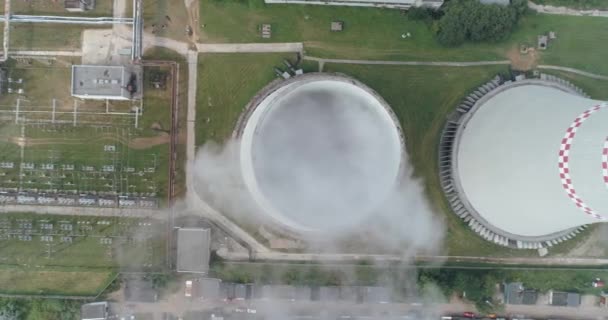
column 523, row 61
column 144, row 143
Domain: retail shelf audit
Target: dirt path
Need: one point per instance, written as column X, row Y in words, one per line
column 411, row 63
column 523, row 62
column 566, row 11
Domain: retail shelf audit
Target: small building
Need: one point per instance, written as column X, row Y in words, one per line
column 266, row 30
column 564, row 299
column 498, row 2
column 543, row 42
column 79, row 5
column 94, row 311
column 207, row 288
column 140, row 290
column 515, row 293
column 193, row 251
column 337, row 26
column 105, row 82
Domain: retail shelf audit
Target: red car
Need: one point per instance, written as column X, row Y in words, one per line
column 468, row 314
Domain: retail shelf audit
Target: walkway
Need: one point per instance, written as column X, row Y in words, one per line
column 411, row 63
column 250, row 47
column 566, row 11
column 572, row 70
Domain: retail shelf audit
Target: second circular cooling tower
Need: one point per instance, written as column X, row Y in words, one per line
column 530, row 163
column 319, row 152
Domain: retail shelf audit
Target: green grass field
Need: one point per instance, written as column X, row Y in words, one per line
column 226, row 83
column 41, row 36
column 136, row 244
column 558, row 280
column 376, row 34
column 53, row 282
column 45, row 7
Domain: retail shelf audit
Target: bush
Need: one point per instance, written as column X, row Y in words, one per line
column 418, row 13
column 470, row 20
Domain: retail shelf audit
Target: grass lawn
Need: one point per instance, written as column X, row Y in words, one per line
column 170, row 13
column 558, row 280
column 46, row 7
column 368, row 33
column 226, row 83
column 581, row 41
column 376, row 34
column 41, row 36
column 136, row 243
column 53, row 282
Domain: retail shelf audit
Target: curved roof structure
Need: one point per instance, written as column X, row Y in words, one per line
column 531, row 160
column 320, row 152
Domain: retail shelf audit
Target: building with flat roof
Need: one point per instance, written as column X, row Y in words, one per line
column 564, row 299
column 94, row 311
column 515, row 293
column 79, row 5
column 140, row 290
column 193, row 251
column 106, row 82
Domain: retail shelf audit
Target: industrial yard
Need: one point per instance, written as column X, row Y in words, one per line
column 148, row 147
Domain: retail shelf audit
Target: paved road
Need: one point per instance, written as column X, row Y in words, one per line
column 46, row 53
column 411, row 63
column 572, row 70
column 328, row 257
column 177, row 304
column 566, row 11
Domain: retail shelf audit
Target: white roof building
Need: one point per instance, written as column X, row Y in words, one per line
column 103, row 82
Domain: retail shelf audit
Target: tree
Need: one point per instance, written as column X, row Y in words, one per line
column 470, row 20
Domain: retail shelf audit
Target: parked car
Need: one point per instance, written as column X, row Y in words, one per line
column 468, row 314
column 188, row 292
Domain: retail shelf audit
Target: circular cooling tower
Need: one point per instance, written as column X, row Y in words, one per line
column 531, row 160
column 319, row 152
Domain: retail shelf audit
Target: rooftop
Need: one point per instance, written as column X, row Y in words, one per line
column 515, row 293
column 193, row 250
column 565, row 299
column 102, row 82
column 140, row 290
column 94, row 311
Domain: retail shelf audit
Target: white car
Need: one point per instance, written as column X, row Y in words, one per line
column 188, row 292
